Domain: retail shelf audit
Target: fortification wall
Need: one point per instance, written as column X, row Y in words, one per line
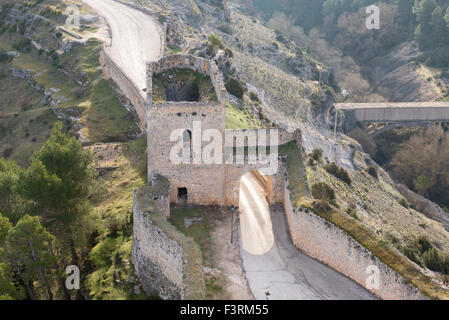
column 156, row 257
column 284, row 136
column 329, row 244
column 127, row 86
column 194, row 63
column 167, row 262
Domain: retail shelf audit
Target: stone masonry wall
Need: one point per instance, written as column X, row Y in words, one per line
column 157, row 258
column 194, row 63
column 128, row 87
column 167, row 262
column 329, row 244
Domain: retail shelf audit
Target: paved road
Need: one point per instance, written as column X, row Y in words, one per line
column 135, row 37
column 273, row 264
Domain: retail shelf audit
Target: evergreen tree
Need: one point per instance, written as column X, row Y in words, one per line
column 59, row 181
column 30, row 245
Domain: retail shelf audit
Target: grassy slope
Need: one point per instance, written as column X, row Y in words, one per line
column 240, row 119
column 357, row 230
column 200, row 233
column 110, row 273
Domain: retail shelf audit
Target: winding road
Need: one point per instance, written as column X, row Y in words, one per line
column 136, row 37
column 272, row 263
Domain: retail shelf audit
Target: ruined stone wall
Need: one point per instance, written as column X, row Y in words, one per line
column 156, row 257
column 127, row 86
column 205, row 183
column 167, row 262
column 284, row 136
column 329, row 244
column 194, row 63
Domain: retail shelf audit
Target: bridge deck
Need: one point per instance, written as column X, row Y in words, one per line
column 395, row 112
column 390, row 105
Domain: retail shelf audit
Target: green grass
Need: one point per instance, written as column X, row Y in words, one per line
column 240, row 119
column 105, row 118
column 296, row 172
column 201, row 234
column 111, row 256
column 110, row 280
column 174, row 49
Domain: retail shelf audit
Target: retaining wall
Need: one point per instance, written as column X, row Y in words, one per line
column 329, row 244
column 127, row 86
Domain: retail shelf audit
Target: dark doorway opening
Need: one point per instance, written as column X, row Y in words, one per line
column 182, row 195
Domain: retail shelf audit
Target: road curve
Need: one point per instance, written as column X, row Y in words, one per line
column 136, row 37
column 272, row 263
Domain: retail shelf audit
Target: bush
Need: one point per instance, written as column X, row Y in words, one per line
column 372, row 172
column 322, row 191
column 215, row 41
column 6, row 150
column 23, row 45
column 423, row 244
column 3, row 56
column 322, row 206
column 433, row 260
column 78, row 93
column 404, row 203
column 254, row 97
column 338, row 172
column 235, row 87
column 317, row 154
column 229, row 52
column 411, row 252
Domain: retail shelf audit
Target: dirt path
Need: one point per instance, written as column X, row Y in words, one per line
column 227, row 257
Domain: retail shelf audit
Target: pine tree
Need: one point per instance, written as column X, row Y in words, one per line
column 30, row 246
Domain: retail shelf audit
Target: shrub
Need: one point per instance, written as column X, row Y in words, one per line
column 78, row 93
column 423, row 244
column 23, row 45
column 229, row 52
column 433, row 260
column 338, row 172
column 6, row 150
column 235, row 87
column 412, row 252
column 322, row 206
column 404, row 203
column 254, row 97
column 322, row 191
column 372, row 172
column 215, row 41
column 3, row 56
column 317, row 154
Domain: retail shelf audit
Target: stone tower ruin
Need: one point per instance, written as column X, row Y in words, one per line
column 186, row 93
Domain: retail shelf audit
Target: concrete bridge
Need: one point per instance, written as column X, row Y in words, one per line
column 396, row 114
